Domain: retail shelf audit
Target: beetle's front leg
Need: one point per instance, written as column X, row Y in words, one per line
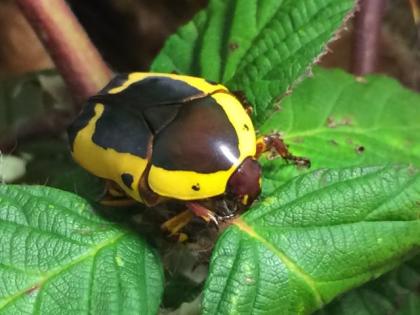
column 115, row 196
column 176, row 223
column 202, row 212
column 244, row 101
column 274, row 142
column 179, row 221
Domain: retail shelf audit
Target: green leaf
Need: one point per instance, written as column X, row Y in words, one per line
column 337, row 120
column 395, row 293
column 261, row 47
column 58, row 257
column 321, row 234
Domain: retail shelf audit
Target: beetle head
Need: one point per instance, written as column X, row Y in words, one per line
column 245, row 182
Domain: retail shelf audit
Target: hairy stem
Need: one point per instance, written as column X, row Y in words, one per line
column 366, row 36
column 415, row 10
column 74, row 55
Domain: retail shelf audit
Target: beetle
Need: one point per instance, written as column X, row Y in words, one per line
column 157, row 137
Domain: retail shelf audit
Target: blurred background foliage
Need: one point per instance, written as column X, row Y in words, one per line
column 129, row 33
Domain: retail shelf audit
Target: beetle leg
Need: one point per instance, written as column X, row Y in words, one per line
column 113, row 190
column 249, row 110
column 176, row 223
column 244, row 101
column 123, row 202
column 115, row 196
column 274, row 142
column 202, row 212
column 147, row 195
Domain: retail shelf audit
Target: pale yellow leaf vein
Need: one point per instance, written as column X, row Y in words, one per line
column 289, row 263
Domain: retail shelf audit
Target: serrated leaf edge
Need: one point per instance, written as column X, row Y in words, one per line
column 308, row 71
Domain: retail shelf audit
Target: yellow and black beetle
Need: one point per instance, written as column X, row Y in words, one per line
column 158, row 137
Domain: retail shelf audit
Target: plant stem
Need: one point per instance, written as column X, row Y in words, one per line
column 74, row 55
column 366, row 36
column 415, row 10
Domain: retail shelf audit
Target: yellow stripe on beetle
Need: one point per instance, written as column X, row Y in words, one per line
column 188, row 185
column 136, row 132
column 198, row 83
column 107, row 163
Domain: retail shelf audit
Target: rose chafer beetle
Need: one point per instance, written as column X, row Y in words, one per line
column 158, row 137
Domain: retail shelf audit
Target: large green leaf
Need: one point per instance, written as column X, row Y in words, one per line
column 318, row 236
column 396, row 293
column 259, row 46
column 58, row 257
column 337, row 120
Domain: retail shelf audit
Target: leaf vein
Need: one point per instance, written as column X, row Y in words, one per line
column 56, row 272
column 32, row 229
column 287, row 261
column 229, row 278
column 316, row 191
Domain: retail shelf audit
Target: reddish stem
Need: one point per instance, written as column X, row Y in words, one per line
column 367, row 31
column 415, row 10
column 78, row 61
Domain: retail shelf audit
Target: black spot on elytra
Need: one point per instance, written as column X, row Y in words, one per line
column 127, row 179
column 246, row 127
column 196, row 187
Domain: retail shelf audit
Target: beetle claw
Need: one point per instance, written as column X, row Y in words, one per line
column 202, row 212
column 211, row 217
column 274, row 143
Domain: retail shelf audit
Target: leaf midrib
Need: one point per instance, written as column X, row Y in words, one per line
column 63, row 207
column 288, row 262
column 315, row 192
column 55, row 272
column 349, row 129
